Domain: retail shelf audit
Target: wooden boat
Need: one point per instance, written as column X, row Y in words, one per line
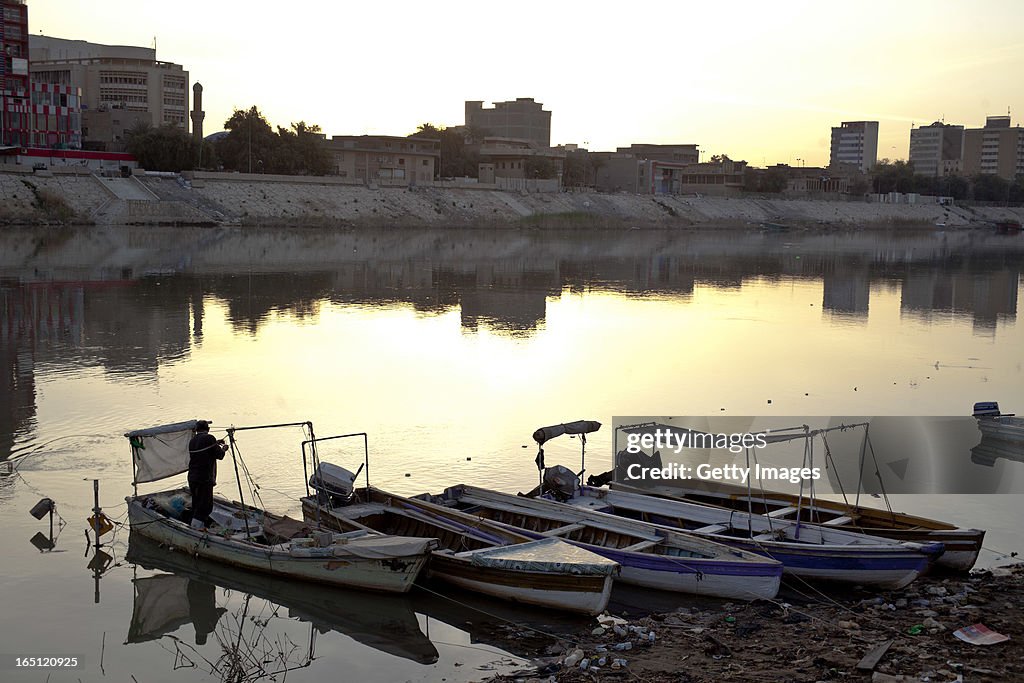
column 813, row 552
column 476, row 555
column 242, row 535
column 962, row 545
column 650, row 557
column 357, row 560
column 386, row 623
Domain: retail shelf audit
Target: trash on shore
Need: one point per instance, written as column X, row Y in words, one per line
column 979, row 634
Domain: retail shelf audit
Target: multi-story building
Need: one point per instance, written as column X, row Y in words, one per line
column 855, row 143
column 385, row 158
column 937, row 149
column 996, row 149
column 14, row 83
column 107, row 129
column 31, row 114
column 522, row 119
column 114, row 76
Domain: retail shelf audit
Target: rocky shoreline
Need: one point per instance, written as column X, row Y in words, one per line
column 808, row 634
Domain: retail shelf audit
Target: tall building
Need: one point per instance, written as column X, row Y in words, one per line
column 522, row 119
column 32, row 114
column 937, row 149
column 14, row 84
column 855, row 143
column 996, row 149
column 114, row 77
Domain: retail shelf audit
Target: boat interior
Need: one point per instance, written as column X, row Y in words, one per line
column 583, row 532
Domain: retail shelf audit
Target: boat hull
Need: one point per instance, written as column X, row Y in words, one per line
column 962, row 545
column 572, row 593
column 390, row 575
column 813, row 553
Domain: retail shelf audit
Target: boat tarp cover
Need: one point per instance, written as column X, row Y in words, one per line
column 549, row 555
column 578, row 427
column 161, row 451
column 384, row 547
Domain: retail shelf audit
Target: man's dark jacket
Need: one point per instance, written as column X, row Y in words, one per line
column 204, row 452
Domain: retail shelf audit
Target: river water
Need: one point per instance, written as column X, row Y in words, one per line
column 448, row 348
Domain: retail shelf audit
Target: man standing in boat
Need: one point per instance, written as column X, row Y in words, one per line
column 204, row 452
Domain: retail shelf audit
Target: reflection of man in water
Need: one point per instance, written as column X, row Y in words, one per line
column 202, row 608
column 204, row 452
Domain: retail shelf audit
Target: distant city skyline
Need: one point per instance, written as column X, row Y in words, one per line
column 755, row 81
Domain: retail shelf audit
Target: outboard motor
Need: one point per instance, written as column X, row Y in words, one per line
column 560, row 482
column 334, row 485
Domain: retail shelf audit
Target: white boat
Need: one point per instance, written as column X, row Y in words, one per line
column 805, row 550
column 248, row 537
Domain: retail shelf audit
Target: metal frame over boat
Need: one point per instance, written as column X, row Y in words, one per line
column 962, row 546
column 360, row 560
column 472, row 554
column 807, row 551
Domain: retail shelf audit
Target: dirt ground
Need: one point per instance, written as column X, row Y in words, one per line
column 815, row 638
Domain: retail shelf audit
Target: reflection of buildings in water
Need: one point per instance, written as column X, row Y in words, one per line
column 133, row 328
column 32, row 318
column 989, row 296
column 846, row 292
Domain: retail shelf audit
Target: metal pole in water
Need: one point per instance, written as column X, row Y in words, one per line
column 95, row 511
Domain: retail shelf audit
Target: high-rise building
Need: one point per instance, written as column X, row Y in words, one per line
column 32, row 114
column 937, row 149
column 522, row 119
column 14, row 84
column 855, row 143
column 996, row 149
column 114, row 77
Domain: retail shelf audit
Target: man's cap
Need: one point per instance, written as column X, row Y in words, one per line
column 202, row 426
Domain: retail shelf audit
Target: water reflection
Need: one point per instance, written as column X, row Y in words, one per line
column 130, row 301
column 164, row 603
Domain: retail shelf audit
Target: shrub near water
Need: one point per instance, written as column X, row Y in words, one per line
column 51, row 204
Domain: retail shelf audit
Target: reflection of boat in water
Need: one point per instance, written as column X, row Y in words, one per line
column 383, row 622
column 1002, row 435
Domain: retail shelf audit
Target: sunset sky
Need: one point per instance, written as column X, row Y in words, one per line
column 755, row 80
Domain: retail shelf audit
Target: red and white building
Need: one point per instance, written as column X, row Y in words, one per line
column 32, row 115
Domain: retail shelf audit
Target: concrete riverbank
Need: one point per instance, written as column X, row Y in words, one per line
column 224, row 198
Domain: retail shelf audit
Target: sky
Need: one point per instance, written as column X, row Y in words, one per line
column 761, row 81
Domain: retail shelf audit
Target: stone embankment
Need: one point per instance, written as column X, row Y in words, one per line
column 259, row 199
